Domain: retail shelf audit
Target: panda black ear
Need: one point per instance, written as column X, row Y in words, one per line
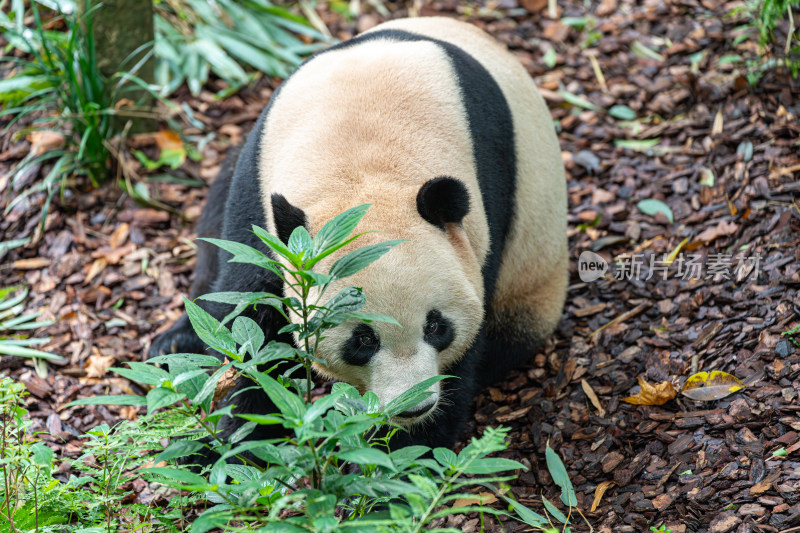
column 286, row 216
column 443, row 200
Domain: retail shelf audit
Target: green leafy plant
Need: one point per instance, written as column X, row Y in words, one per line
column 58, row 87
column 793, row 335
column 661, row 529
column 25, row 464
column 334, row 468
column 227, row 38
column 97, row 499
column 762, row 19
column 14, row 324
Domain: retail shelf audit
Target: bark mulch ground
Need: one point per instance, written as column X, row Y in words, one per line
column 719, row 152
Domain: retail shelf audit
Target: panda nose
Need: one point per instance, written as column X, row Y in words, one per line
column 417, row 411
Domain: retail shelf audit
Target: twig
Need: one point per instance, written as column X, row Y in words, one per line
column 598, row 73
column 621, row 318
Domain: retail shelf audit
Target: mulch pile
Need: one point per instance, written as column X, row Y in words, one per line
column 724, row 159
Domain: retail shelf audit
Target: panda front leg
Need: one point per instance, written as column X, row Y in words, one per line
column 181, row 338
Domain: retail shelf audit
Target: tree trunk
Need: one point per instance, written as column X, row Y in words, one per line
column 122, row 27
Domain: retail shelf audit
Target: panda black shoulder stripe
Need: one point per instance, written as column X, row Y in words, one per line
column 492, row 131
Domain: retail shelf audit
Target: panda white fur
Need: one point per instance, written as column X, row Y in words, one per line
column 444, row 133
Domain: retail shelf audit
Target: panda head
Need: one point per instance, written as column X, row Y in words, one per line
column 428, row 284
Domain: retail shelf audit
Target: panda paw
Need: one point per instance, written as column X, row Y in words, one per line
column 180, row 338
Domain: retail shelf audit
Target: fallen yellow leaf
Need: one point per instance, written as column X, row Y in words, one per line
column 650, row 395
column 710, row 386
column 34, row 263
column 599, row 492
column 168, row 140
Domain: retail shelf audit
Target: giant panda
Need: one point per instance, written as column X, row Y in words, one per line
column 443, row 131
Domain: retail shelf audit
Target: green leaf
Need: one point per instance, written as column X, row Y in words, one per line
column 412, row 396
column 21, row 351
column 527, row 516
column 553, row 510
column 275, row 244
column 243, row 253
column 371, row 317
column 578, row 101
column 336, row 231
column 780, row 452
column 177, row 476
column 264, row 420
column 427, row 486
column 643, row 51
column 575, row 22
column 366, row 456
column 559, row 474
column 651, row 207
column 204, row 396
column 549, row 58
column 209, row 329
column 446, row 457
column 121, row 399
column 160, row 397
column 361, row 258
column 178, row 448
column 221, row 63
column 248, row 333
column 42, row 454
column 643, row 145
column 285, row 400
column 622, row 112
column 729, row 58
column 216, row 517
column 300, row 243
column 492, row 465
column 143, row 373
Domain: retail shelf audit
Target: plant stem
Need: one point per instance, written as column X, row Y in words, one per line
column 213, row 434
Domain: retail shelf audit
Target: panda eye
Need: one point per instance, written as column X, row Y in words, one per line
column 438, row 330
column 431, row 327
column 362, row 345
column 367, row 340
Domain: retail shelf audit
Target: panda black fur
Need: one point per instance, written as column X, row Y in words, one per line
column 443, row 131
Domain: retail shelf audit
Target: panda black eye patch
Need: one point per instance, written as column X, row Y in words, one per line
column 438, row 331
column 362, row 345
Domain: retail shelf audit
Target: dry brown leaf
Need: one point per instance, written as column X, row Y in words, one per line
column 723, row 228
column 115, row 256
column 98, row 364
column 33, row 263
column 124, row 102
column 765, row 484
column 43, row 141
column 119, row 236
column 128, row 412
column 719, row 122
column 94, row 269
column 514, row 415
column 599, row 492
column 650, row 395
column 225, row 383
column 484, row 498
column 534, row 5
column 168, row 140
column 710, row 386
column 589, row 392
